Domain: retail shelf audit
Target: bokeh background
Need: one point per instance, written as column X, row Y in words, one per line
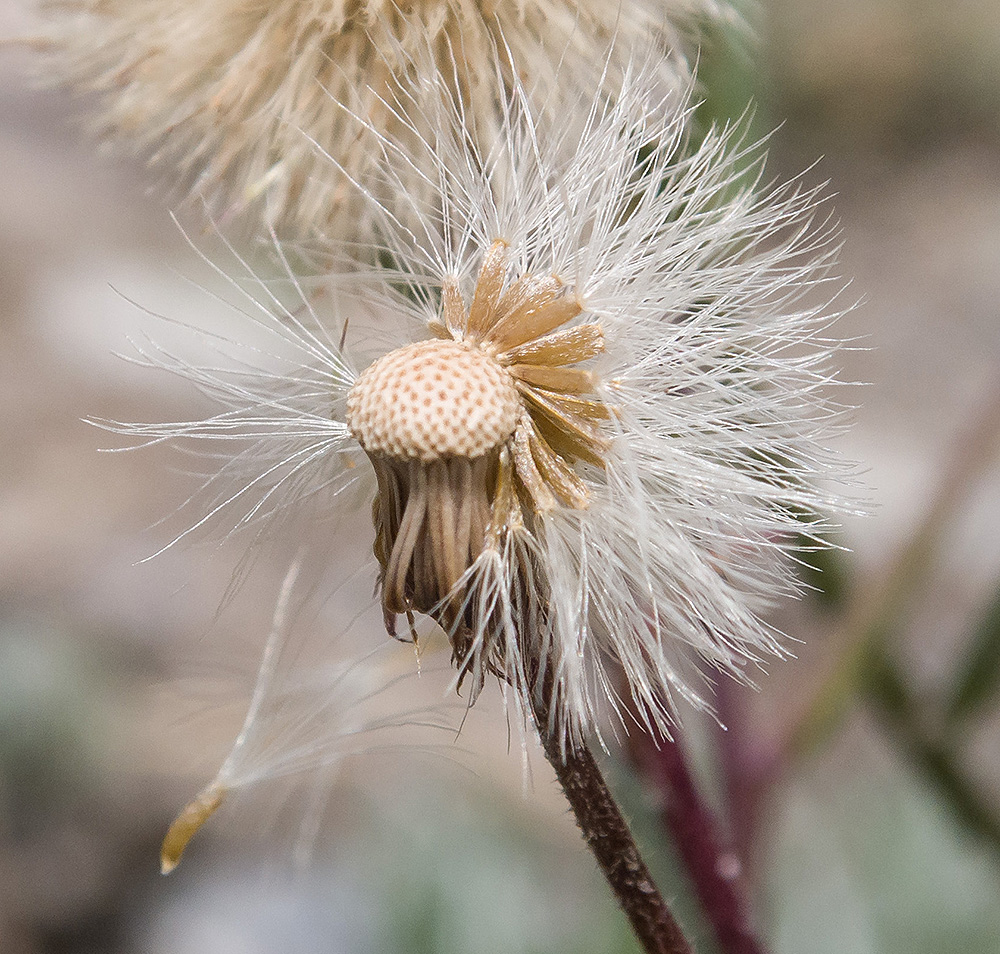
column 121, row 686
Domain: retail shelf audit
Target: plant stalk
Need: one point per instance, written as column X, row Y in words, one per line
column 609, row 839
column 715, row 871
column 904, row 718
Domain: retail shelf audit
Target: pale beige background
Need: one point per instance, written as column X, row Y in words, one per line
column 100, row 745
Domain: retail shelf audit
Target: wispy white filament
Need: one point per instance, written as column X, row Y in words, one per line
column 310, row 716
column 304, row 716
column 275, row 440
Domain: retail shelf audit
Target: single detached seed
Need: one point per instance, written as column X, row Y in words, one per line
column 433, row 399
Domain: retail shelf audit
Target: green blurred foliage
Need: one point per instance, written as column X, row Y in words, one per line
column 874, row 863
column 474, row 876
column 977, row 674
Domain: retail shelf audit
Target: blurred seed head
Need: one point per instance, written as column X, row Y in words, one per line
column 235, row 102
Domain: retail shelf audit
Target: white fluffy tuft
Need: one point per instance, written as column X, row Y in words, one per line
column 714, row 297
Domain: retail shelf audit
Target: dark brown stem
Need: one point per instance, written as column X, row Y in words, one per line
column 608, row 837
column 715, row 871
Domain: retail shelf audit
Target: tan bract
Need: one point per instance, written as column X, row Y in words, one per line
column 238, row 101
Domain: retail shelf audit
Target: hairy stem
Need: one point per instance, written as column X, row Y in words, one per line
column 715, row 871
column 609, row 839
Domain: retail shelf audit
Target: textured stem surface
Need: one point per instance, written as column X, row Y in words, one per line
column 715, row 871
column 608, row 837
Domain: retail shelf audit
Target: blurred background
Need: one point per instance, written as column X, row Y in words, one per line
column 865, row 785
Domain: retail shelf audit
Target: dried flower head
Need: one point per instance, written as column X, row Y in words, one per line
column 229, row 93
column 473, row 434
column 596, row 413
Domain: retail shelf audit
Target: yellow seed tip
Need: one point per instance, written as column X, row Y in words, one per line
column 187, row 823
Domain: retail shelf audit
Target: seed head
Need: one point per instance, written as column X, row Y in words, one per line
column 232, row 98
column 433, row 399
column 655, row 417
column 475, row 432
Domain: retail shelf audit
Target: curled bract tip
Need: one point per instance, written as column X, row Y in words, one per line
column 187, row 823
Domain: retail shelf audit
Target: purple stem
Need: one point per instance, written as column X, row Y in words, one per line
column 715, row 870
column 749, row 766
